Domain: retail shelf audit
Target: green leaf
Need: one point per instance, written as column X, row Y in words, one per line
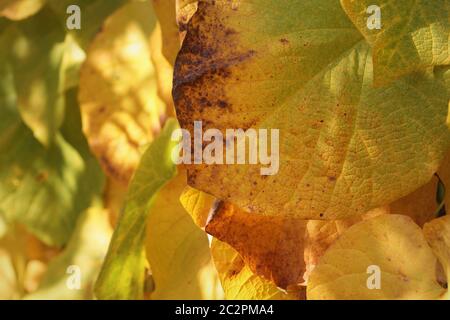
column 44, row 188
column 414, row 35
column 123, row 273
column 93, row 14
column 345, row 146
column 34, row 49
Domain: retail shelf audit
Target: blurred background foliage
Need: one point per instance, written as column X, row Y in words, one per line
column 86, row 177
column 79, row 109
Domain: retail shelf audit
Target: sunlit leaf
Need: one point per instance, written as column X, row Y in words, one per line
column 166, row 13
column 163, row 70
column 281, row 249
column 412, row 36
column 73, row 58
column 394, row 244
column 93, row 14
column 118, row 94
column 437, row 233
column 123, row 273
column 23, row 261
column 198, row 204
column 345, row 146
column 177, row 250
column 240, row 283
column 20, row 9
column 185, row 11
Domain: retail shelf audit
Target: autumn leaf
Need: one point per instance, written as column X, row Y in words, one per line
column 401, row 45
column 351, row 201
column 437, row 233
column 271, row 247
column 351, row 148
column 240, row 283
column 165, row 11
column 185, row 9
column 118, row 93
column 198, row 204
column 8, row 286
column 180, row 265
column 93, row 15
column 283, row 250
column 23, row 261
column 392, row 243
column 123, row 272
column 163, row 70
column 188, row 274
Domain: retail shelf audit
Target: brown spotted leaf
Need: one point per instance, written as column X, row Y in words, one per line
column 280, row 249
column 345, row 146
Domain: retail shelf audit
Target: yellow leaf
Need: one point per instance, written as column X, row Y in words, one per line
column 240, row 283
column 198, row 204
column 320, row 235
column 272, row 247
column 342, row 149
column 123, row 272
column 281, row 249
column 23, row 261
column 166, row 12
column 185, row 11
column 177, row 250
column 20, row 9
column 392, row 243
column 437, row 233
column 411, row 36
column 163, row 70
column 118, row 90
column 8, row 285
